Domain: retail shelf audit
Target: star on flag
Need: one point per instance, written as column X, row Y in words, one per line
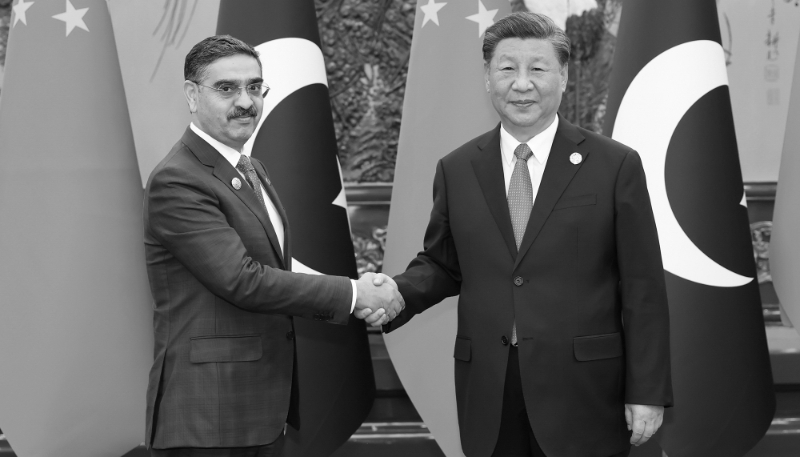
column 73, row 18
column 19, row 12
column 431, row 11
column 484, row 18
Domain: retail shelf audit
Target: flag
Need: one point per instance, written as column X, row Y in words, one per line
column 153, row 38
column 76, row 325
column 784, row 250
column 445, row 106
column 669, row 100
column 296, row 141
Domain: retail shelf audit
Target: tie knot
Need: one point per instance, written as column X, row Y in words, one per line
column 244, row 164
column 523, row 152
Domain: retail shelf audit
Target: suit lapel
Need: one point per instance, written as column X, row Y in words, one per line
column 261, row 171
column 558, row 173
column 226, row 173
column 488, row 167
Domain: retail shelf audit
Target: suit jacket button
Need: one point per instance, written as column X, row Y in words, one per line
column 504, row 340
column 290, row 336
column 518, row 281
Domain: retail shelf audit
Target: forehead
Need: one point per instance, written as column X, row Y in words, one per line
column 525, row 48
column 238, row 67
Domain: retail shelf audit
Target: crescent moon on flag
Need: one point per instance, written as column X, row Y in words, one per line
column 655, row 102
column 299, row 64
column 288, row 65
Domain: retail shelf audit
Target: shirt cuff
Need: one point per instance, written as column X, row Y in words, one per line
column 355, row 295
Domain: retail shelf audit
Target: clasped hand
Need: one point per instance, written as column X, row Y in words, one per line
column 378, row 300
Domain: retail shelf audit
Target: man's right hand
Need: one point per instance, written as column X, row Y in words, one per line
column 376, row 302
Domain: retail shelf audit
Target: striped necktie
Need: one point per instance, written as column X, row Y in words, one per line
column 246, row 167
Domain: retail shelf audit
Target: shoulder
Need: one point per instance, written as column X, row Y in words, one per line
column 603, row 143
column 602, row 148
column 471, row 148
column 180, row 165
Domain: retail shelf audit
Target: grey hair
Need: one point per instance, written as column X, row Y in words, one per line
column 211, row 49
column 524, row 25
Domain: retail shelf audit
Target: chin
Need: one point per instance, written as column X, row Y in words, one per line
column 243, row 134
column 524, row 123
column 524, row 119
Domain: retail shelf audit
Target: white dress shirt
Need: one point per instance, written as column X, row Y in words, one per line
column 540, row 146
column 232, row 156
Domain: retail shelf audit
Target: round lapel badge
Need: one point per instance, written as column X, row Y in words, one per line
column 236, row 183
column 575, row 158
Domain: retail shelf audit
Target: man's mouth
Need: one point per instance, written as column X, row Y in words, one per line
column 241, row 114
column 242, row 119
column 523, row 103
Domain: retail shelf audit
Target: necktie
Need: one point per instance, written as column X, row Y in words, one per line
column 246, row 167
column 520, row 202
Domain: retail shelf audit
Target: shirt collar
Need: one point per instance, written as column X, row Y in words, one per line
column 230, row 154
column 540, row 144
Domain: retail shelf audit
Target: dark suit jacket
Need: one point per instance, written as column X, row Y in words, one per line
column 586, row 287
column 223, row 301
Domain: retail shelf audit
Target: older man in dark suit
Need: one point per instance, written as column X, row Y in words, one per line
column 546, row 231
column 218, row 252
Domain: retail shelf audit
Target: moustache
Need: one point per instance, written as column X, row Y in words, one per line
column 242, row 112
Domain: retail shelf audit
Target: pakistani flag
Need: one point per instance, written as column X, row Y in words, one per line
column 297, row 143
column 669, row 100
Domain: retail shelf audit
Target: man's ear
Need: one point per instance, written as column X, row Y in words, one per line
column 564, row 76
column 191, row 92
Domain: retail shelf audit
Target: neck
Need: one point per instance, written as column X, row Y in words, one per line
column 524, row 134
column 235, row 146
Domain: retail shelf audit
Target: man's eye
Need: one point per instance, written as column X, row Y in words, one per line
column 254, row 88
column 226, row 89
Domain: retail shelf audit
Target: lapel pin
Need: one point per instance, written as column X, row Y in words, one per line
column 575, row 158
column 236, row 183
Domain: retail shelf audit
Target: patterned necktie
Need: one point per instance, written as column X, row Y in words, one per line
column 246, row 167
column 520, row 202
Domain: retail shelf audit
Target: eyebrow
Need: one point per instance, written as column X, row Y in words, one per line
column 234, row 82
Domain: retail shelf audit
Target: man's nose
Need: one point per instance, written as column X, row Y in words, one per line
column 523, row 82
column 243, row 99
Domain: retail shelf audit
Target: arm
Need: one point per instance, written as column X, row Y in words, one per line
column 184, row 216
column 648, row 386
column 435, row 273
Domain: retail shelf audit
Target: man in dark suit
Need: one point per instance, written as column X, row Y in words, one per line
column 218, row 252
column 546, row 231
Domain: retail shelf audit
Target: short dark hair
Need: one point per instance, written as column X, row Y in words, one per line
column 524, row 25
column 211, row 49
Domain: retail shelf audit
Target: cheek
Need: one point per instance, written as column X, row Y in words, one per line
column 259, row 104
column 499, row 89
column 223, row 114
column 212, row 111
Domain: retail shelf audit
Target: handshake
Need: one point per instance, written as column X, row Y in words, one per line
column 378, row 301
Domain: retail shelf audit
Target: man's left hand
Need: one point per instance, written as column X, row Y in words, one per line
column 644, row 421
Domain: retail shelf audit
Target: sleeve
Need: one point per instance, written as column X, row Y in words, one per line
column 645, row 312
column 185, row 216
column 435, row 273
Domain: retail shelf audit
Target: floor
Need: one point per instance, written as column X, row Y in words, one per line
column 394, row 429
